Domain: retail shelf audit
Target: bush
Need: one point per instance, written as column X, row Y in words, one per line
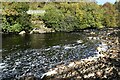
column 15, row 18
column 15, row 28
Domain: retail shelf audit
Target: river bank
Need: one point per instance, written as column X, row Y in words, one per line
column 104, row 65
column 44, row 30
column 96, row 59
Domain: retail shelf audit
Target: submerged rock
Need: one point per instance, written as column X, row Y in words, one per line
column 79, row 41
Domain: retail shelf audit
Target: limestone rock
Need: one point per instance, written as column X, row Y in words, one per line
column 22, row 32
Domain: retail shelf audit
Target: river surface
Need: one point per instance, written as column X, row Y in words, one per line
column 35, row 54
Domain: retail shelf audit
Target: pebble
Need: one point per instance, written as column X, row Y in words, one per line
column 85, row 76
column 17, row 63
column 99, row 73
column 79, row 41
column 2, row 65
column 91, row 74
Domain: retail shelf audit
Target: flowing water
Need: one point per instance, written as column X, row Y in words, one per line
column 35, row 54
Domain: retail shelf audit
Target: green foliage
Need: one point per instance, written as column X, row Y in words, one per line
column 5, row 25
column 15, row 18
column 53, row 17
column 110, row 15
column 73, row 16
column 59, row 20
column 89, row 16
column 64, row 16
column 117, row 6
column 15, row 28
column 36, row 5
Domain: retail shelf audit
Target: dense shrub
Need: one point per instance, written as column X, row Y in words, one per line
column 15, row 18
column 110, row 15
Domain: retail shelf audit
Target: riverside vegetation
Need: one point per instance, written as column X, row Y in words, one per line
column 64, row 16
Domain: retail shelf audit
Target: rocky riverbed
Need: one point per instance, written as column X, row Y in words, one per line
column 104, row 66
column 67, row 62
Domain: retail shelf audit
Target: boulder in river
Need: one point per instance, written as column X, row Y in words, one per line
column 79, row 41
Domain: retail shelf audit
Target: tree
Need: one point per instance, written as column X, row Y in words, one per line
column 58, row 19
column 90, row 15
column 15, row 17
column 110, row 15
column 117, row 6
column 73, row 16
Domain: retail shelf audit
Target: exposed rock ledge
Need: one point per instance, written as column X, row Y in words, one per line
column 42, row 30
column 22, row 32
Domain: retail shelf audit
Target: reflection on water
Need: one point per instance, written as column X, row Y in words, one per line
column 12, row 43
column 35, row 54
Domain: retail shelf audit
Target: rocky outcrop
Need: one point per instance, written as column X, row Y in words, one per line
column 37, row 30
column 22, row 32
column 40, row 27
column 42, row 30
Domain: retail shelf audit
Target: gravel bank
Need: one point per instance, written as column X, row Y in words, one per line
column 106, row 66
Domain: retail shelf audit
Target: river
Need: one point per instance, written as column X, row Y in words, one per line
column 35, row 54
